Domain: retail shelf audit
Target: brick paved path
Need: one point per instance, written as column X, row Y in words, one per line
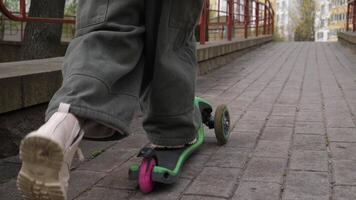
column 294, row 111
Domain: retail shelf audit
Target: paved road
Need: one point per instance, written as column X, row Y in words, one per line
column 294, row 111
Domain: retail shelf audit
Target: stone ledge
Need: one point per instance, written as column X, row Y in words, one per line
column 211, row 50
column 13, row 50
column 214, row 55
column 348, row 39
column 28, row 83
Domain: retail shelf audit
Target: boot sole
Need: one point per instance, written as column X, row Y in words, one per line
column 39, row 178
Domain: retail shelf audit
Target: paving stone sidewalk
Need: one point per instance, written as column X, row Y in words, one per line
column 293, row 108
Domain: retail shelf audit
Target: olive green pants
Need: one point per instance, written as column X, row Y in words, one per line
column 127, row 52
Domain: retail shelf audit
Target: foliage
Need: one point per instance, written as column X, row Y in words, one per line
column 13, row 5
column 71, row 8
column 303, row 20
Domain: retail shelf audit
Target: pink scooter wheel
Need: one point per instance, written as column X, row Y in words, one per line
column 145, row 181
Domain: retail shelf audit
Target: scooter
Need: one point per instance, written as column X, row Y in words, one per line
column 165, row 165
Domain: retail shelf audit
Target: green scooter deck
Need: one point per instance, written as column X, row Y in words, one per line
column 170, row 161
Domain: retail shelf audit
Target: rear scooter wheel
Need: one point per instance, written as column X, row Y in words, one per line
column 145, row 181
column 222, row 124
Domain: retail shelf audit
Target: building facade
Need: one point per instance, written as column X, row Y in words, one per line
column 330, row 19
column 322, row 20
column 338, row 12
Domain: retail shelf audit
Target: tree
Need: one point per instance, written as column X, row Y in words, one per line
column 304, row 29
column 43, row 40
column 71, row 7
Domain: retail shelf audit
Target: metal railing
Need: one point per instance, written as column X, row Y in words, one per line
column 220, row 20
column 13, row 31
column 351, row 16
column 22, row 16
column 235, row 18
column 10, row 30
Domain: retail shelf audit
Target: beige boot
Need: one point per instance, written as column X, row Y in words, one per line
column 46, row 156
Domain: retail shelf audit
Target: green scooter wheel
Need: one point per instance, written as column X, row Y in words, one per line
column 222, row 124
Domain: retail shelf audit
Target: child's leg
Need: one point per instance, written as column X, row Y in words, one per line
column 103, row 65
column 171, row 119
column 102, row 75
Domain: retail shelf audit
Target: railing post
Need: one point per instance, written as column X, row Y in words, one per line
column 246, row 17
column 272, row 17
column 231, row 19
column 218, row 12
column 354, row 16
column 257, row 17
column 203, row 24
column 267, row 26
column 265, row 19
column 272, row 22
column 23, row 8
column 348, row 16
column 269, row 21
column 23, row 15
column 238, row 3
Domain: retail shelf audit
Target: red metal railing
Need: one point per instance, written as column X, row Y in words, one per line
column 220, row 20
column 235, row 18
column 14, row 30
column 351, row 16
column 22, row 16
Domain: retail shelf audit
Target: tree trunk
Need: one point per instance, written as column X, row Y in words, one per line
column 42, row 40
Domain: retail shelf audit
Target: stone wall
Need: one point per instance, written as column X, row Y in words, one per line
column 11, row 51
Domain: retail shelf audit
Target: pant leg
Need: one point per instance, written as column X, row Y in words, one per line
column 170, row 117
column 103, row 65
